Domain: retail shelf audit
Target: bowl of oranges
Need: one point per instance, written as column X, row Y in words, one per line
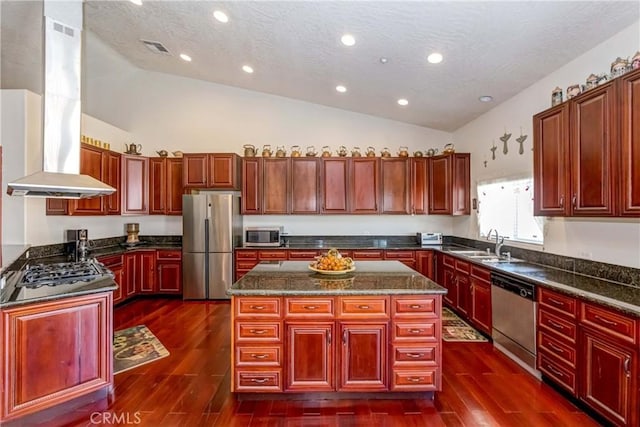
column 332, row 263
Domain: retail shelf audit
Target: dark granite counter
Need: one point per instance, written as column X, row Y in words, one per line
column 369, row 278
column 121, row 249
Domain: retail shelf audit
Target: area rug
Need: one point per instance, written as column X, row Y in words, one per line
column 456, row 329
column 134, row 347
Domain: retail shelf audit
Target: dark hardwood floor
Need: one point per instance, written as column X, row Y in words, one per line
column 190, row 387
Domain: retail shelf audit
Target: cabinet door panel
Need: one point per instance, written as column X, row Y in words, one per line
column 222, row 170
column 93, row 162
column 135, row 182
column 592, row 138
column 630, row 139
column 157, row 186
column 195, row 173
column 460, row 191
column 251, row 186
column 174, row 187
column 419, row 185
column 275, row 194
column 481, row 304
column 396, row 191
column 113, row 178
column 310, row 359
column 334, row 184
column 449, row 282
column 440, row 185
column 365, row 186
column 170, row 277
column 147, row 271
column 305, row 186
column 550, row 160
column 363, row 361
column 130, row 278
column 464, row 293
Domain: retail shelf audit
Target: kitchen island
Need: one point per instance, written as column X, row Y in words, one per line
column 374, row 330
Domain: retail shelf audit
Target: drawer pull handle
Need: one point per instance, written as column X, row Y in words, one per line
column 364, row 307
column 310, row 307
column 556, row 302
column 415, row 306
column 627, row 368
column 257, row 307
column 259, row 356
column 556, row 325
column 259, row 380
column 415, row 331
column 258, row 331
column 415, row 379
column 608, row 322
column 555, row 348
column 415, row 355
column 555, row 371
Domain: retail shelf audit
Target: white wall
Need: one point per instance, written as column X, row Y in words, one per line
column 607, row 240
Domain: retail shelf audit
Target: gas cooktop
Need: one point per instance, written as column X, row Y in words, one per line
column 63, row 273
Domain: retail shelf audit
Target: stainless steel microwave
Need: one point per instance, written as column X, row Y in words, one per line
column 263, row 236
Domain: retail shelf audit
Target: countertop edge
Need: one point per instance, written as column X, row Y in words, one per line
column 377, row 292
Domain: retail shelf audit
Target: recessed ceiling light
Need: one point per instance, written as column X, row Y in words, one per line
column 185, row 57
column 341, row 89
column 485, row 98
column 403, row 102
column 383, row 60
column 221, row 16
column 136, row 2
column 348, row 40
column 435, row 58
column 247, row 69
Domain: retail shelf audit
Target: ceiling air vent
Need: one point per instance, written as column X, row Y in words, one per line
column 156, row 47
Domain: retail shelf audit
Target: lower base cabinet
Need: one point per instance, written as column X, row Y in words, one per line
column 337, row 344
column 55, row 351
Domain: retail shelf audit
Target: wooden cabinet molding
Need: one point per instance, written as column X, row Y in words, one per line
column 449, row 184
column 135, row 185
column 165, row 186
column 211, row 170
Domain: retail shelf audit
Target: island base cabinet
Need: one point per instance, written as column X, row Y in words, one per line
column 310, row 356
column 363, row 357
column 54, row 352
column 610, row 378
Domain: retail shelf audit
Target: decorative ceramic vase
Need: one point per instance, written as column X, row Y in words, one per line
column 573, row 91
column 556, row 96
column 619, row 67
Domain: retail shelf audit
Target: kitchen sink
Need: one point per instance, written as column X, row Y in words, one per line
column 493, row 258
column 471, row 253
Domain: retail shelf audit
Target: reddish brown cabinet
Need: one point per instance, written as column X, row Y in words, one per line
column 396, row 185
column 480, row 314
column 335, row 183
column 363, row 356
column 630, row 144
column 305, row 185
column 364, row 182
column 211, row 170
column 251, row 200
column 275, row 186
column 135, row 185
column 169, row 271
column 165, row 186
column 425, row 264
column 115, row 264
column 113, row 178
column 55, row 351
column 139, row 271
column 310, row 356
column 419, row 185
column 449, row 184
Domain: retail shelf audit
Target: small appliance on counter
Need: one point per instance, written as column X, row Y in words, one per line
column 133, row 229
column 425, row 239
column 77, row 244
column 263, row 236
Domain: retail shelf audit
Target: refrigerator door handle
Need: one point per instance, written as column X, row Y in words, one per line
column 206, row 258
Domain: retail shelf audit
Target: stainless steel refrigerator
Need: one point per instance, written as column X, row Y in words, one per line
column 211, row 229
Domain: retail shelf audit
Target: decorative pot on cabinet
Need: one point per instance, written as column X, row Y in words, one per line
column 249, row 150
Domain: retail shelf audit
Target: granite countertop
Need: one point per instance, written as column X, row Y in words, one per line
column 619, row 296
column 370, row 278
column 9, row 254
column 121, row 249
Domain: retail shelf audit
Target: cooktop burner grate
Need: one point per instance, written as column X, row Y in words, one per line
column 62, row 273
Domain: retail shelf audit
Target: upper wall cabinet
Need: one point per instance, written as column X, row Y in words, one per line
column 364, row 185
column 334, row 175
column 587, row 152
column 305, row 185
column 419, row 185
column 100, row 164
column 211, row 170
column 135, row 185
column 449, row 184
column 165, row 186
column 396, row 185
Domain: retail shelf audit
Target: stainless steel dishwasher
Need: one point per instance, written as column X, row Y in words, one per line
column 514, row 319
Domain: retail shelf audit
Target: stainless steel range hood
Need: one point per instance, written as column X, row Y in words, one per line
column 61, row 110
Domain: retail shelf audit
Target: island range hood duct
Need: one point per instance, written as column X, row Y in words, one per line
column 60, row 177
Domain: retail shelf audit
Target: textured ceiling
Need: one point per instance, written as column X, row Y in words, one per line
column 490, row 48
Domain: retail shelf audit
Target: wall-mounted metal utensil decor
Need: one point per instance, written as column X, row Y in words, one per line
column 493, row 150
column 504, row 138
column 521, row 140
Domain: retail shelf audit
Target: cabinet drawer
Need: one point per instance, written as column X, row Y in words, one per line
column 111, row 261
column 364, row 255
column 245, row 265
column 480, row 273
column 448, row 260
column 293, row 255
column 258, row 356
column 258, row 332
column 411, row 307
column 423, row 331
column 562, row 303
column 551, row 322
column 363, row 307
column 410, row 255
column 303, row 307
column 415, row 355
column 247, row 255
column 258, row 381
column 610, row 322
column 557, row 348
column 415, row 380
column 463, row 266
column 273, row 255
column 169, row 255
column 556, row 371
column 258, row 308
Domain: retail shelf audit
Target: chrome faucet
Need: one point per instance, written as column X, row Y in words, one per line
column 499, row 241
